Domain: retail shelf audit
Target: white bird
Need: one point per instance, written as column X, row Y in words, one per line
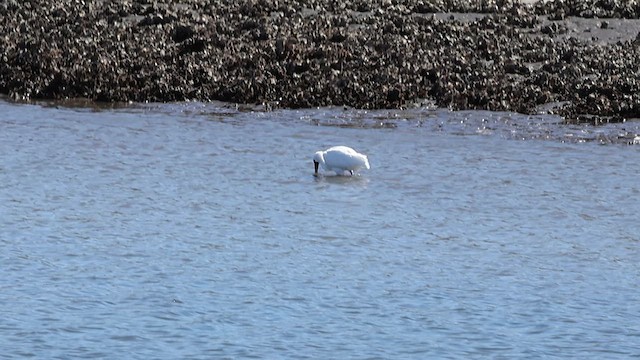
column 340, row 159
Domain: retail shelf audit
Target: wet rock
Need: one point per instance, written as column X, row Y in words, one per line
column 554, row 29
column 154, row 20
column 182, row 33
column 394, row 95
column 338, row 37
column 192, row 45
column 516, row 68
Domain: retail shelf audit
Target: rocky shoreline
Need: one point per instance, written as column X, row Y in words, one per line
column 576, row 58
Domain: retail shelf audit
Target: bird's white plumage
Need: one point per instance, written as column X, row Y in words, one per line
column 340, row 159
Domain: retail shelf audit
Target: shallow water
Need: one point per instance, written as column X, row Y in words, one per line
column 198, row 231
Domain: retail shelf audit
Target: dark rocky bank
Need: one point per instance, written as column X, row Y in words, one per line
column 497, row 55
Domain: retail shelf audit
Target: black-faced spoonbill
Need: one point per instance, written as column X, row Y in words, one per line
column 340, row 159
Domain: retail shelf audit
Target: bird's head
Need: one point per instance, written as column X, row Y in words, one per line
column 317, row 160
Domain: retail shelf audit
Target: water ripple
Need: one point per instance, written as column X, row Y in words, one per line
column 198, row 230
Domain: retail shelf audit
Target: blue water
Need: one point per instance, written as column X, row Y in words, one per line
column 197, row 231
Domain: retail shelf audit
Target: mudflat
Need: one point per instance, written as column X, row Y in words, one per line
column 579, row 59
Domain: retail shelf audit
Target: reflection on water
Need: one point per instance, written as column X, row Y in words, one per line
column 199, row 231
